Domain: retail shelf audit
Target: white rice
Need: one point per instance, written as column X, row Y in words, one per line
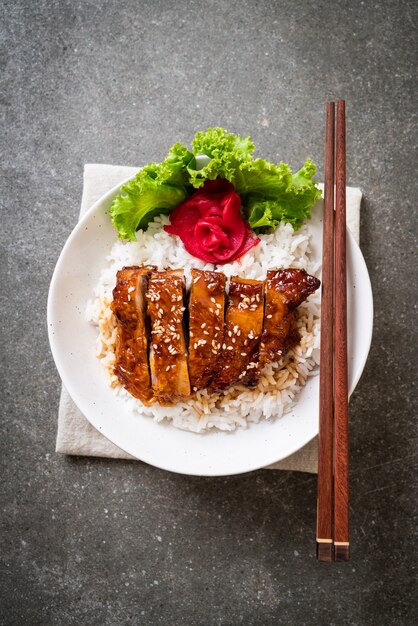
column 236, row 407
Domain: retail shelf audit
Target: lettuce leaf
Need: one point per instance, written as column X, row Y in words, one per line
column 142, row 199
column 217, row 143
column 156, row 189
column 270, row 193
column 226, row 151
column 263, row 178
column 174, row 169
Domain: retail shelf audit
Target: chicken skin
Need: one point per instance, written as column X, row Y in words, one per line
column 242, row 332
column 285, row 290
column 129, row 307
column 168, row 352
column 206, row 322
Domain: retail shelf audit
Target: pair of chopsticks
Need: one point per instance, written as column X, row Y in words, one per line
column 332, row 536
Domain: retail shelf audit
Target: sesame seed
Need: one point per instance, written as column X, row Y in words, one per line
column 203, row 325
column 243, row 354
column 213, row 299
column 269, row 317
column 230, row 348
column 167, row 368
column 224, row 346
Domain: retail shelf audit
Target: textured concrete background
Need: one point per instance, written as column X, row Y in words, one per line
column 104, row 542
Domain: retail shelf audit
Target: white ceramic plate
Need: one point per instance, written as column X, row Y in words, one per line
column 72, row 342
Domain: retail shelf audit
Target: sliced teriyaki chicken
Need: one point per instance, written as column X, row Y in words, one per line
column 242, row 332
column 168, row 352
column 129, row 306
column 285, row 290
column 206, row 321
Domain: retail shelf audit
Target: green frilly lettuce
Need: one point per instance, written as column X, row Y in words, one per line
column 273, row 194
column 270, row 193
column 155, row 189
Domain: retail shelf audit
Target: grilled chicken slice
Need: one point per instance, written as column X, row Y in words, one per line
column 129, row 306
column 168, row 353
column 285, row 290
column 242, row 332
column 206, row 321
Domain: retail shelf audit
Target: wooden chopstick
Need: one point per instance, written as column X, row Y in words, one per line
column 341, row 487
column 332, row 537
column 324, row 537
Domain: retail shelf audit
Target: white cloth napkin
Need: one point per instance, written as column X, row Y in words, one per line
column 76, row 436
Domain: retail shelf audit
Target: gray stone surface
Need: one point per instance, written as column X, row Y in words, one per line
column 104, row 542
